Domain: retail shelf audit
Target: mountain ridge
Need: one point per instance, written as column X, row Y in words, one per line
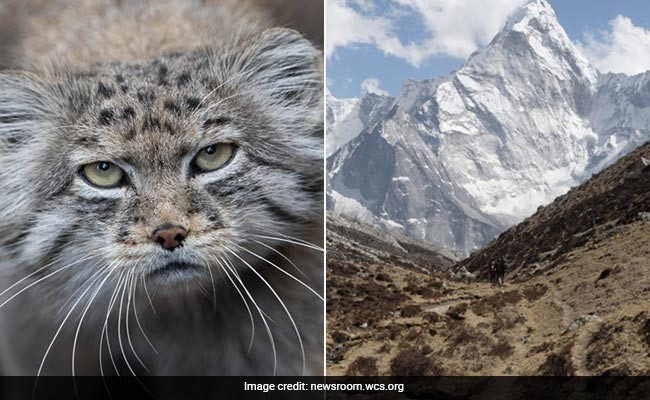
column 456, row 160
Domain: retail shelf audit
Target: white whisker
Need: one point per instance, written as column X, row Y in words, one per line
column 282, row 270
column 129, row 288
column 308, row 245
column 36, row 272
column 286, row 310
column 281, row 255
column 44, row 278
column 144, row 283
column 58, row 331
column 214, row 290
column 104, row 332
column 250, row 314
column 108, row 270
column 119, row 326
column 137, row 320
column 266, row 325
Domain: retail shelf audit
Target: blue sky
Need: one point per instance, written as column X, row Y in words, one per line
column 375, row 45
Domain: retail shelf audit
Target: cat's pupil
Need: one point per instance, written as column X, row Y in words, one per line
column 210, row 149
column 104, row 166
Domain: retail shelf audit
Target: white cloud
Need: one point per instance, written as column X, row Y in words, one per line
column 346, row 27
column 626, row 48
column 453, row 28
column 458, row 28
column 371, row 85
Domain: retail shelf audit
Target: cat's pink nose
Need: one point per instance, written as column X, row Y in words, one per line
column 169, row 236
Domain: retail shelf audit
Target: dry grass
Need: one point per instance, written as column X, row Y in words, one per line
column 535, row 292
column 496, row 302
column 363, row 366
column 411, row 362
column 411, row 310
column 558, row 364
column 502, row 349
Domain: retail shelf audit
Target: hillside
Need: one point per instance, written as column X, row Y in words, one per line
column 575, row 301
column 587, row 216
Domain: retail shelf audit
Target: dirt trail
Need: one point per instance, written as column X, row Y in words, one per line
column 443, row 307
column 583, row 328
column 567, row 312
column 580, row 346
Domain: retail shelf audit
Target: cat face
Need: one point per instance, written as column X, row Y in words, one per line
column 164, row 169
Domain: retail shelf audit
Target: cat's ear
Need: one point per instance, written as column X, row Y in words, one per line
column 24, row 108
column 24, row 117
column 286, row 69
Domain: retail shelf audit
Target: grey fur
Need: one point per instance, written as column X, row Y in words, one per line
column 249, row 221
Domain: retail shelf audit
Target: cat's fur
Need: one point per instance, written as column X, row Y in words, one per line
column 146, row 85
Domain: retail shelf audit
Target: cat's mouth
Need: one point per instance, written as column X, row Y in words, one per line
column 179, row 269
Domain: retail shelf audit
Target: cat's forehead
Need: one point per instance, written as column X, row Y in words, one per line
column 182, row 71
column 159, row 105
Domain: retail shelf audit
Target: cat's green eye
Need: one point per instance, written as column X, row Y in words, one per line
column 214, row 156
column 103, row 174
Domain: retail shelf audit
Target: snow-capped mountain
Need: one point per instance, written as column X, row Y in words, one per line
column 457, row 160
column 347, row 118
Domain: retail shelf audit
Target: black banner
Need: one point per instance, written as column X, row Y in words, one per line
column 208, row 388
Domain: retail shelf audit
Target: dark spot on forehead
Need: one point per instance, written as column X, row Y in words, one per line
column 171, row 106
column 119, row 78
column 151, row 123
column 169, row 128
column 105, row 116
column 146, row 96
column 213, row 122
column 105, row 91
column 128, row 113
column 124, row 88
column 86, row 140
column 183, row 79
column 192, row 103
column 129, row 133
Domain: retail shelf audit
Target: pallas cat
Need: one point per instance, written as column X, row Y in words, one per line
column 161, row 166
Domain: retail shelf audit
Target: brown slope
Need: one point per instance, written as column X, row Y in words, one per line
column 615, row 197
column 578, row 304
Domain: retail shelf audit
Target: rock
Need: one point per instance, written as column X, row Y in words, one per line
column 583, row 319
column 454, row 315
column 340, row 337
column 604, row 274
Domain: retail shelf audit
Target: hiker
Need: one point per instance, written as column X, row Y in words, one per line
column 502, row 267
column 490, row 272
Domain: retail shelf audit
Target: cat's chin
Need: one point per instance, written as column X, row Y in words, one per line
column 174, row 273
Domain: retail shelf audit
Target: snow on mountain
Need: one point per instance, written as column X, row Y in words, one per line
column 457, row 160
column 347, row 118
